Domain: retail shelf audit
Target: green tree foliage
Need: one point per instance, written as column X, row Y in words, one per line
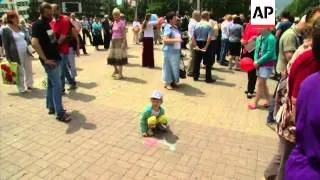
column 221, row 7
column 218, row 7
column 129, row 11
column 142, row 8
column 107, row 6
column 299, row 7
column 93, row 8
column 90, row 8
column 33, row 10
column 162, row 7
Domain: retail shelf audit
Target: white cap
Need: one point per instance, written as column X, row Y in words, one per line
column 156, row 94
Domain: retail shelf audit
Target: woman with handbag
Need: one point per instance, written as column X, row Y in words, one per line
column 171, row 50
column 148, row 35
column 16, row 49
column 118, row 50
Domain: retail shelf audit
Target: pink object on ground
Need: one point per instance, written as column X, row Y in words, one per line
column 150, row 142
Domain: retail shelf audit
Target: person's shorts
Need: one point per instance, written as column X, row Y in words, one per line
column 264, row 72
column 235, row 48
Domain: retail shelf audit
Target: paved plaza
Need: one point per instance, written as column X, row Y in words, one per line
column 214, row 135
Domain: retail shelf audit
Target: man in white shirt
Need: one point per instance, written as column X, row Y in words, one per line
column 212, row 49
column 196, row 17
column 225, row 39
column 85, row 25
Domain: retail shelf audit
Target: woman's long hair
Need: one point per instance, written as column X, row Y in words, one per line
column 316, row 39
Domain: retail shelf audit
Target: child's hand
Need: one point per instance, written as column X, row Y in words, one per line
column 165, row 125
column 144, row 135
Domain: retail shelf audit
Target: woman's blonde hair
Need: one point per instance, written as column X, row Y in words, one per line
column 228, row 17
column 4, row 18
column 196, row 14
column 205, row 14
column 116, row 11
column 22, row 20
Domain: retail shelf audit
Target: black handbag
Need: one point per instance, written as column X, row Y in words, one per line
column 182, row 70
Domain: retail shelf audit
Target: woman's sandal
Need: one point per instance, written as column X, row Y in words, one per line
column 114, row 74
column 118, row 77
column 168, row 87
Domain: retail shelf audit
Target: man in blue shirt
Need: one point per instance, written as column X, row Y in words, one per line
column 201, row 40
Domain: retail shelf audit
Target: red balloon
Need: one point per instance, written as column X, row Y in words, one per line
column 246, row 64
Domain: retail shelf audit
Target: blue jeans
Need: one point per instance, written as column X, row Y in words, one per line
column 54, row 97
column 65, row 71
column 270, row 118
column 265, row 72
column 171, row 66
column 72, row 62
column 224, row 49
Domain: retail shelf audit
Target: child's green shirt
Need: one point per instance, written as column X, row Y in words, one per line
column 145, row 115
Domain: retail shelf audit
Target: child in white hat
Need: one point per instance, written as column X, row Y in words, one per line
column 153, row 116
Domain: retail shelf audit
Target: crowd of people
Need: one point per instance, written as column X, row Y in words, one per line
column 288, row 51
column 56, row 39
column 294, row 107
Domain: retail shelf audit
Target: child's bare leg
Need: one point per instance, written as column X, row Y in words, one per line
column 237, row 59
column 231, row 62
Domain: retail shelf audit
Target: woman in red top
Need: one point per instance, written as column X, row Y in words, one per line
column 250, row 33
column 305, row 65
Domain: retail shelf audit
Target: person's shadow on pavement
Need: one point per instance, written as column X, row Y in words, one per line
column 168, row 136
column 134, row 80
column 34, row 94
column 78, row 96
column 79, row 122
column 189, row 90
column 87, row 85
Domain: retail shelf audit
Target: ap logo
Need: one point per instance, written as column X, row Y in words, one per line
column 263, row 12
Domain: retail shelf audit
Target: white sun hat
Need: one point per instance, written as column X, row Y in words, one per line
column 156, row 94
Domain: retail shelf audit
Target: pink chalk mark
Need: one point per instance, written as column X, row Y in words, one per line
column 150, row 142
